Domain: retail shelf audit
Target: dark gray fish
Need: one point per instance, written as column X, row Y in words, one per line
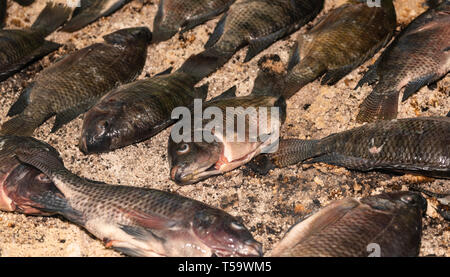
column 18, row 181
column 258, row 23
column 343, row 39
column 74, row 84
column 384, row 225
column 19, row 48
column 185, row 14
column 418, row 56
column 415, row 145
column 91, row 10
column 136, row 111
column 24, row 2
column 193, row 161
column 3, row 6
column 139, row 221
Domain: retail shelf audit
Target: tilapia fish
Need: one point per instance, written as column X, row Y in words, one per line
column 136, row 111
column 414, row 145
column 258, row 23
column 243, row 134
column 185, row 14
column 384, row 225
column 19, row 48
column 345, row 38
column 418, row 56
column 139, row 221
column 72, row 85
column 91, row 10
column 18, row 181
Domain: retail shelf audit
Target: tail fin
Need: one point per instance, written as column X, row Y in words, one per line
column 51, row 17
column 270, row 78
column 301, row 74
column 203, row 64
column 378, row 106
column 290, row 151
column 20, row 126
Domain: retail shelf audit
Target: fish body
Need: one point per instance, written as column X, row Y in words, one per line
column 193, row 160
column 72, row 85
column 342, row 40
column 185, row 14
column 19, row 48
column 418, row 56
column 91, row 10
column 384, row 225
column 140, row 221
column 136, row 111
column 18, row 181
column 414, row 145
column 257, row 23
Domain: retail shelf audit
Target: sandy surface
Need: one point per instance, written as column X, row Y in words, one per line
column 267, row 205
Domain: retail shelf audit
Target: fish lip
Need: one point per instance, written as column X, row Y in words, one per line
column 252, row 249
column 194, row 177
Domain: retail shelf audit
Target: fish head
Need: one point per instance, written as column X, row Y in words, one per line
column 224, row 235
column 191, row 162
column 129, row 35
column 21, row 186
column 407, row 200
column 104, row 127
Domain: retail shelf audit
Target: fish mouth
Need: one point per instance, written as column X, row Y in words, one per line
column 251, row 248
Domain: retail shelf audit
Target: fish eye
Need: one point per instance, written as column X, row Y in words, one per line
column 102, row 126
column 184, row 148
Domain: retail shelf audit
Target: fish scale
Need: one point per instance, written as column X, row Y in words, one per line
column 185, row 14
column 420, row 145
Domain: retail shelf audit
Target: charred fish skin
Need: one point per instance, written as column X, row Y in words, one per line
column 384, row 225
column 140, row 221
column 91, row 10
column 344, row 39
column 19, row 48
column 413, row 145
column 193, row 161
column 137, row 111
column 19, row 183
column 418, row 56
column 175, row 14
column 258, row 23
column 72, row 85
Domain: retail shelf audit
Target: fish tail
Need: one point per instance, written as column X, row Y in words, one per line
column 301, row 74
column 20, row 125
column 290, row 151
column 378, row 106
column 203, row 64
column 51, row 17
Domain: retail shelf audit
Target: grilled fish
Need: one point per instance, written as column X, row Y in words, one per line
column 19, row 48
column 18, row 182
column 136, row 111
column 139, row 221
column 344, row 39
column 384, row 225
column 91, row 10
column 229, row 147
column 258, row 23
column 418, row 56
column 415, row 145
column 72, row 85
column 185, row 14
